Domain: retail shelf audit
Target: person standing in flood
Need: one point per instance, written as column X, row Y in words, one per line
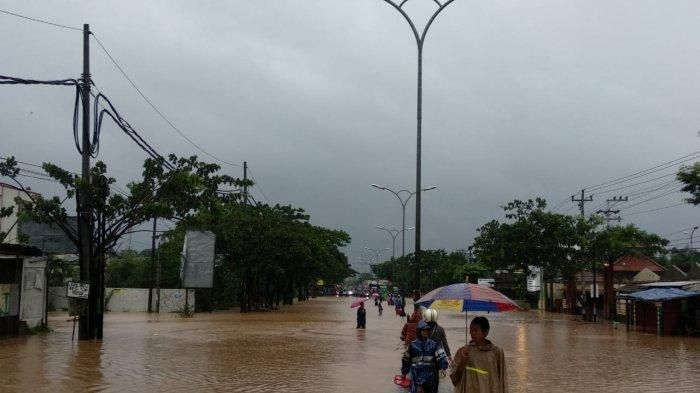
column 409, row 331
column 480, row 366
column 423, row 359
column 437, row 334
column 361, row 316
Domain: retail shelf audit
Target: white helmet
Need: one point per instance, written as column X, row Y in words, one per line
column 430, row 315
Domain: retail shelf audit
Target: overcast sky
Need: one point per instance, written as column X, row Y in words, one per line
column 521, row 99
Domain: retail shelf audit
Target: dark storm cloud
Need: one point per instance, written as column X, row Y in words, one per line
column 521, row 99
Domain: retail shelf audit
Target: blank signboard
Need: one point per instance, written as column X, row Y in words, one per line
column 197, row 260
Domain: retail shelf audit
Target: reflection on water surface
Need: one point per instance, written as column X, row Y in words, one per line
column 314, row 347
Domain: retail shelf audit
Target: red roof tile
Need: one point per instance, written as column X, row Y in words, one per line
column 636, row 263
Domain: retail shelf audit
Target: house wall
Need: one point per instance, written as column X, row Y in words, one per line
column 130, row 299
column 647, row 317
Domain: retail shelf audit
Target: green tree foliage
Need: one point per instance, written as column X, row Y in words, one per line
column 559, row 244
column 615, row 242
column 690, row 176
column 267, row 254
column 681, row 257
column 438, row 268
column 531, row 236
column 172, row 188
column 128, row 269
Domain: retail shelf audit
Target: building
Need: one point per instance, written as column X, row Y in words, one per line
column 23, row 288
column 609, row 277
column 9, row 225
column 663, row 307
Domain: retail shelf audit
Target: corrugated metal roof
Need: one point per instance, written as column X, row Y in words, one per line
column 670, row 284
column 19, row 250
column 637, row 263
column 659, row 294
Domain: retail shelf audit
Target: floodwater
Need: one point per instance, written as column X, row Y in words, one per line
column 314, row 347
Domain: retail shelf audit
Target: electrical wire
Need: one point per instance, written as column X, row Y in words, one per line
column 679, row 231
column 258, row 186
column 645, row 172
column 653, row 210
column 125, row 126
column 40, row 21
column 121, row 70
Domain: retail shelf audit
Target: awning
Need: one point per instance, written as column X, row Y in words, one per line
column 658, row 294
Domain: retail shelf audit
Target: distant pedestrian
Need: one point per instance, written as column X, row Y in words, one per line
column 479, row 366
column 397, row 305
column 409, row 332
column 361, row 316
column 380, row 307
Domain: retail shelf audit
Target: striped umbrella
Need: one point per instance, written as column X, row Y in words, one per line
column 467, row 297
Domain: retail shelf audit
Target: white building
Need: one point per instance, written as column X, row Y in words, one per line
column 9, row 225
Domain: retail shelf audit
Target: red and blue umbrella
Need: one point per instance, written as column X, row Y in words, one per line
column 467, row 297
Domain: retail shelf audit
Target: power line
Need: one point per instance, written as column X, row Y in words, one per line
column 41, row 21
column 648, row 191
column 684, row 229
column 155, row 108
column 43, row 176
column 652, row 198
column 645, row 172
column 653, row 210
column 258, row 186
column 560, row 204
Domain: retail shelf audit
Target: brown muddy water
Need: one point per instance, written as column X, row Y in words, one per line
column 314, row 347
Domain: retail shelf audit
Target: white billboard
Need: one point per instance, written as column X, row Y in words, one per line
column 197, row 260
column 534, row 280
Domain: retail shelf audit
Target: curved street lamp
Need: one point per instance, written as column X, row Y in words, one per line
column 420, row 39
column 403, row 209
column 393, row 233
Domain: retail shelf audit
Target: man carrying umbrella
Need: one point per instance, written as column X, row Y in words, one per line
column 479, row 367
column 361, row 316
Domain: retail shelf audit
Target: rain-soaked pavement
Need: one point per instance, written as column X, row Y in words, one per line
column 314, row 347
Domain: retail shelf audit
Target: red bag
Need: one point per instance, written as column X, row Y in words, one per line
column 401, row 381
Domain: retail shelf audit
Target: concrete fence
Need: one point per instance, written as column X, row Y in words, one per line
column 129, row 299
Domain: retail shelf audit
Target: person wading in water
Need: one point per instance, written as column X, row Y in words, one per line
column 361, row 316
column 479, row 367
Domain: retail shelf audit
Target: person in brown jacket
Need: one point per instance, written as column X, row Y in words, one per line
column 479, row 367
column 409, row 333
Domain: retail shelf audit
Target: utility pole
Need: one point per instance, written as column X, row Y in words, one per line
column 86, row 328
column 153, row 266
column 609, row 305
column 609, row 213
column 245, row 179
column 582, row 204
column 582, row 201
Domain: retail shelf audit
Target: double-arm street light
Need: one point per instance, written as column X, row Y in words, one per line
column 403, row 210
column 377, row 252
column 692, row 252
column 393, row 233
column 420, row 39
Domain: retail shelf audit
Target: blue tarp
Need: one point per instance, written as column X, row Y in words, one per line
column 659, row 294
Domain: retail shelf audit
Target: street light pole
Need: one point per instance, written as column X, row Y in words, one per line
column 420, row 39
column 692, row 251
column 377, row 252
column 393, row 233
column 404, row 202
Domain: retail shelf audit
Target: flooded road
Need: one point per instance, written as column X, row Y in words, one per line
column 314, row 347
